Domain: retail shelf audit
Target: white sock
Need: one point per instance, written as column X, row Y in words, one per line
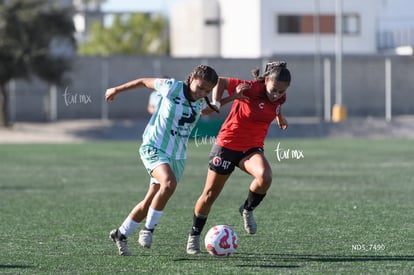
column 153, row 217
column 128, row 226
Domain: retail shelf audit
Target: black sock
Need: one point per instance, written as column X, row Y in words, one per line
column 147, row 229
column 253, row 200
column 198, row 224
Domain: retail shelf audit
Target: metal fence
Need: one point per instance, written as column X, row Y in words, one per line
column 378, row 86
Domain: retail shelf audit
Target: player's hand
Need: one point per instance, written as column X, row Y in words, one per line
column 282, row 122
column 216, row 108
column 110, row 94
column 240, row 90
column 206, row 111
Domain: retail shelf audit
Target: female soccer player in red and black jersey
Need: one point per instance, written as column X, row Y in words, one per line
column 240, row 142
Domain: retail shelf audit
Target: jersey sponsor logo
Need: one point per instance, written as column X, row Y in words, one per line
column 184, row 130
column 261, row 105
column 177, row 100
column 181, row 132
column 186, row 118
column 180, row 101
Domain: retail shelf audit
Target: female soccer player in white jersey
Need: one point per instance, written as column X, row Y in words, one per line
column 164, row 145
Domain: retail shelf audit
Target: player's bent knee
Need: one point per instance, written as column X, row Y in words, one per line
column 265, row 178
column 209, row 198
column 168, row 187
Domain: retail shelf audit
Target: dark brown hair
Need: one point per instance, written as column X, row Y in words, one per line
column 203, row 72
column 206, row 73
column 274, row 70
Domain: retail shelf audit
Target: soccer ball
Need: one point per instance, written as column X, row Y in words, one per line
column 221, row 241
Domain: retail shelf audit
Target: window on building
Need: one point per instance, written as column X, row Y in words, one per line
column 351, row 24
column 307, row 24
column 212, row 22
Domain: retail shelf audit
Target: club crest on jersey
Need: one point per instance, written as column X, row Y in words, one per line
column 217, row 161
column 261, row 105
column 165, row 82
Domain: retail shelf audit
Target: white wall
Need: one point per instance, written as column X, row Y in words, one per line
column 190, row 37
column 274, row 43
column 240, row 29
column 249, row 28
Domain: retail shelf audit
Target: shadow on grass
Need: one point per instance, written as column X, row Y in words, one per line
column 11, row 266
column 124, row 130
column 272, row 261
column 212, row 258
column 316, row 258
column 338, row 258
column 28, row 187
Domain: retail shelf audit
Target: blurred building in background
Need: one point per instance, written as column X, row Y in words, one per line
column 86, row 13
column 259, row 28
column 235, row 36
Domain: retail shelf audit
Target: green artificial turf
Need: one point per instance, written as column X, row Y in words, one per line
column 335, row 206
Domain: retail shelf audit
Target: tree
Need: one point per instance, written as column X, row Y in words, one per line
column 130, row 34
column 36, row 39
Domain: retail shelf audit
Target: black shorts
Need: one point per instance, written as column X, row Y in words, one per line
column 223, row 160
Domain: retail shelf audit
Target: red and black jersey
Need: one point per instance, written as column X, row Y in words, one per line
column 247, row 124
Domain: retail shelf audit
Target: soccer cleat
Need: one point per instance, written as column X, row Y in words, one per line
column 121, row 242
column 248, row 220
column 145, row 238
column 193, row 244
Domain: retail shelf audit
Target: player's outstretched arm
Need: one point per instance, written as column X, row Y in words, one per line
column 111, row 93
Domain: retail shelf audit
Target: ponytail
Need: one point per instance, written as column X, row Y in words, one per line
column 274, row 70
